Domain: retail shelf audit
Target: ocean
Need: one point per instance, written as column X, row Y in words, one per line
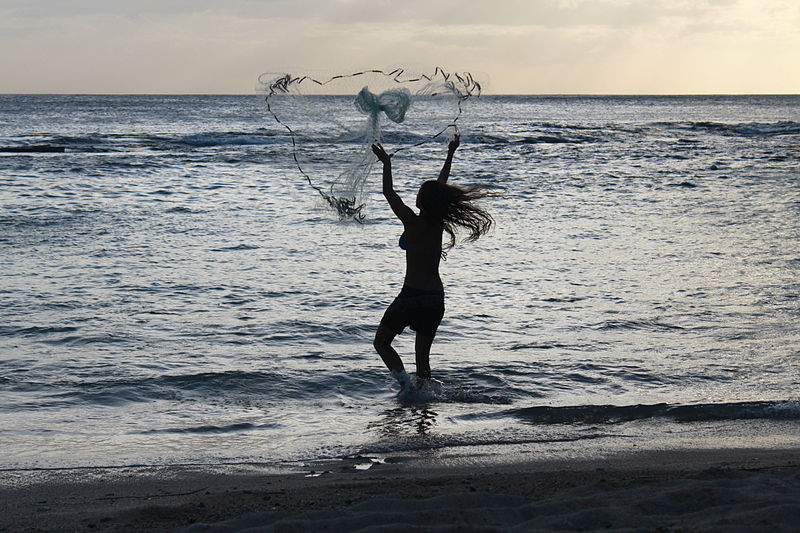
column 173, row 292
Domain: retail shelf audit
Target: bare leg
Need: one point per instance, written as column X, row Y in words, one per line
column 422, row 346
column 383, row 345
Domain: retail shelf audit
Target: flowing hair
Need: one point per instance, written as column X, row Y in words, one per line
column 453, row 207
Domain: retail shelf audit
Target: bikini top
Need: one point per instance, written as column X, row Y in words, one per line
column 403, row 244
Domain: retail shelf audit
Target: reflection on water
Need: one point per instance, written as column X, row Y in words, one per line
column 405, row 421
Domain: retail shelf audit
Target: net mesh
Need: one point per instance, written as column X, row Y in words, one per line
column 333, row 120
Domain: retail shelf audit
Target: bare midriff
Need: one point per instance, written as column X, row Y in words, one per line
column 423, row 254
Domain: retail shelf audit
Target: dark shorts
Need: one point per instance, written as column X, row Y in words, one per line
column 421, row 310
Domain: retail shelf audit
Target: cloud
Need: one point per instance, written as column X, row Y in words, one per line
column 523, row 45
column 545, row 13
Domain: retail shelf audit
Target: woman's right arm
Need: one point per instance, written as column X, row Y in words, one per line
column 403, row 212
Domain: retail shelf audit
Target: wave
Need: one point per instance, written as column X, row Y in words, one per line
column 391, row 444
column 211, row 429
column 558, row 139
column 785, row 127
column 228, row 139
column 647, row 324
column 436, row 391
column 253, row 387
column 237, row 248
column 121, row 143
column 33, row 225
column 538, row 345
column 32, row 331
column 261, row 387
column 613, row 414
column 553, row 134
column 126, row 142
column 84, row 143
column 184, row 210
column 86, row 340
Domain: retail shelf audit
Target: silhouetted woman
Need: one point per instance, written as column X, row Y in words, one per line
column 420, row 304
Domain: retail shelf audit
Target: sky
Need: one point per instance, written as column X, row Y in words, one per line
column 514, row 46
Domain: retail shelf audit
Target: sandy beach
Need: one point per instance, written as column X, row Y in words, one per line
column 678, row 490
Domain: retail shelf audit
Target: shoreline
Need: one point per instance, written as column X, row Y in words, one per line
column 724, row 489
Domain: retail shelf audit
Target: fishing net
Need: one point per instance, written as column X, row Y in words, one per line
column 334, row 119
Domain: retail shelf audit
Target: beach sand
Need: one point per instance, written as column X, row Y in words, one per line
column 657, row 490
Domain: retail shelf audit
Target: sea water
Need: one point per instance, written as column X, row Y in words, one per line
column 172, row 291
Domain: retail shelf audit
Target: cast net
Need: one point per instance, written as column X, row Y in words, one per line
column 334, row 119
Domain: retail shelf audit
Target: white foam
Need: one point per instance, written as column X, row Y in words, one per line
column 405, row 381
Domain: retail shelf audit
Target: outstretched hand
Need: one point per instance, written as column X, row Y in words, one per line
column 455, row 143
column 383, row 157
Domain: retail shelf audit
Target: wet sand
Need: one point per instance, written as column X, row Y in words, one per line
column 683, row 490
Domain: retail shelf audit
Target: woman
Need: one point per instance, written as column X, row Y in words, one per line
column 420, row 304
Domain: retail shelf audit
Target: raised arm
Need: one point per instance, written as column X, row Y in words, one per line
column 451, row 149
column 403, row 212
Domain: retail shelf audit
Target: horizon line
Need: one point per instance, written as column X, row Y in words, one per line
column 346, row 94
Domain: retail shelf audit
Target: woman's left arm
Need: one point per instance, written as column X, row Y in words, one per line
column 451, row 150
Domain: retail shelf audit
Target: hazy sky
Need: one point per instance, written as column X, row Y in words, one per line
column 521, row 46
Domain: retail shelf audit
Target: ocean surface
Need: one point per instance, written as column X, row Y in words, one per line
column 173, row 291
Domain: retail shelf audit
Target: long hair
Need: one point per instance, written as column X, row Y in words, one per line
column 453, row 207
